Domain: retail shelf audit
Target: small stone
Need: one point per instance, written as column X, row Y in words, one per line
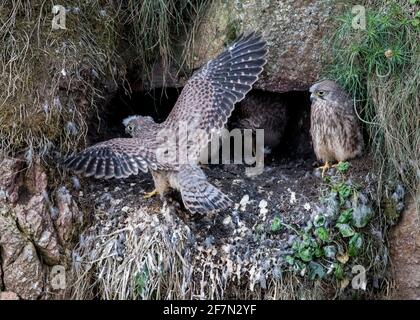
column 125, row 209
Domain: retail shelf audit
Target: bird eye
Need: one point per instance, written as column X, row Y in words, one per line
column 130, row 127
column 320, row 93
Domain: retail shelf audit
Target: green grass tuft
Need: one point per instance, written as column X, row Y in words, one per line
column 380, row 67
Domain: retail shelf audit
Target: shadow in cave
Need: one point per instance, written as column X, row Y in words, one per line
column 295, row 144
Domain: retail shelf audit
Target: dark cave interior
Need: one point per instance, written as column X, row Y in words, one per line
column 158, row 103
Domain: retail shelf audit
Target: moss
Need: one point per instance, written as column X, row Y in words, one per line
column 232, row 30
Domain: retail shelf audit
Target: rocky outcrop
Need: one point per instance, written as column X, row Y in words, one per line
column 36, row 233
column 405, row 254
column 293, row 29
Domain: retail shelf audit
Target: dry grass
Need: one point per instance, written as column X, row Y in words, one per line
column 53, row 81
column 51, row 77
column 155, row 256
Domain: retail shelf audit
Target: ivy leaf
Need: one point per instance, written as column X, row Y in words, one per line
column 343, row 167
column 355, row 244
column 316, row 270
column 318, row 252
column 361, row 216
column 289, row 259
column 319, row 220
column 344, row 191
column 276, row 224
column 345, row 216
column 338, row 271
column 330, row 251
column 343, row 258
column 322, row 234
column 345, row 230
column 305, row 254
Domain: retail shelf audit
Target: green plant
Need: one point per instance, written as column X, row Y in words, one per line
column 140, row 281
column 343, row 167
column 156, row 30
column 276, row 224
column 380, row 67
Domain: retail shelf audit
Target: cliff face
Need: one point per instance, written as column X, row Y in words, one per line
column 405, row 254
column 41, row 220
column 37, row 230
column 294, row 31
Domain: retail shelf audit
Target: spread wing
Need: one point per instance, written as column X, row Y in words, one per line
column 115, row 158
column 208, row 99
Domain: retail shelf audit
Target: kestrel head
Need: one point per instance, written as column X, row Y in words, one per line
column 327, row 90
column 134, row 124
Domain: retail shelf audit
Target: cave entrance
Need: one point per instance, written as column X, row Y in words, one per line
column 295, row 142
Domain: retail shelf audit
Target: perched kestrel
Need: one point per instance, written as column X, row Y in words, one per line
column 335, row 130
column 263, row 110
column 204, row 106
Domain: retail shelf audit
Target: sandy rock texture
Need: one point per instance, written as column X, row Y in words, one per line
column 293, row 29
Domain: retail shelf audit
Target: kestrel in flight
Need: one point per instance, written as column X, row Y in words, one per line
column 203, row 107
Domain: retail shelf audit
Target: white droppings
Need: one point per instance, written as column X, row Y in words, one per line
column 45, row 107
column 263, row 204
column 307, row 206
column 243, row 203
column 292, row 196
column 63, row 72
column 263, row 212
column 227, row 220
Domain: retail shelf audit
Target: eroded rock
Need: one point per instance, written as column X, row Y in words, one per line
column 405, row 254
column 294, row 31
column 31, row 241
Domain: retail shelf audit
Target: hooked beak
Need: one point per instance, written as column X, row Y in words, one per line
column 312, row 97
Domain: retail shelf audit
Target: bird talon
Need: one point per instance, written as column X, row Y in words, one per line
column 324, row 168
column 150, row 194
